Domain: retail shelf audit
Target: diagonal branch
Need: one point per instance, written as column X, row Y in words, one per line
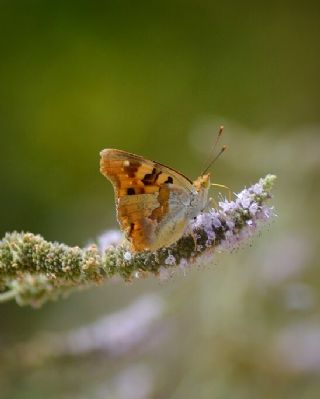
column 33, row 270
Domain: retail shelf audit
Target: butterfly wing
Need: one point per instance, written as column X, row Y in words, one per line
column 151, row 198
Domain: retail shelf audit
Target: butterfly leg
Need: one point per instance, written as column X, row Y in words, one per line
column 212, row 203
column 225, row 187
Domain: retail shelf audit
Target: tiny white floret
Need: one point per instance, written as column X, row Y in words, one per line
column 127, row 256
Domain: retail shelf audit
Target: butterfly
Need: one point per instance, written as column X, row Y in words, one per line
column 154, row 202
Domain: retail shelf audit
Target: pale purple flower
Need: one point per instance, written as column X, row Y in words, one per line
column 228, row 235
column 136, row 382
column 53, row 266
column 299, row 296
column 257, row 188
column 183, row 265
column 297, row 348
column 215, row 221
column 235, row 221
column 264, row 213
column 227, row 206
column 170, row 260
column 245, row 201
column 205, row 221
column 164, row 274
column 291, row 251
column 109, row 238
column 183, row 262
column 115, row 333
column 230, row 224
column 253, row 208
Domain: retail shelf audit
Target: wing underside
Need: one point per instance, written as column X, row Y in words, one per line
column 151, row 199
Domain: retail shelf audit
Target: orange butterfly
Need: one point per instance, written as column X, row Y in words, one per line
column 154, row 202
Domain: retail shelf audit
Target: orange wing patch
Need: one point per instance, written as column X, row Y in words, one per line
column 139, row 220
column 126, row 176
column 142, row 195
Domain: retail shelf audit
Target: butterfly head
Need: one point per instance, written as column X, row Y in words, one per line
column 202, row 182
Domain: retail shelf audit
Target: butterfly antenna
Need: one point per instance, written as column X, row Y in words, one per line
column 213, row 149
column 221, row 128
column 214, row 159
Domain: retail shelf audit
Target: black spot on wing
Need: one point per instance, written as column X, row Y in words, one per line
column 150, row 178
column 169, row 180
column 131, row 228
column 130, row 191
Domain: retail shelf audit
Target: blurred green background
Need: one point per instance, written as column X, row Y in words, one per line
column 157, row 79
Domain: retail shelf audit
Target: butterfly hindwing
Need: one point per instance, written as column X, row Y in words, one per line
column 151, row 198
